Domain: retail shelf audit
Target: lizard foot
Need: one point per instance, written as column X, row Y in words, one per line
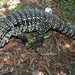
column 35, row 45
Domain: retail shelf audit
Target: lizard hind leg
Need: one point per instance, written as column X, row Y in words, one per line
column 39, row 41
column 23, row 38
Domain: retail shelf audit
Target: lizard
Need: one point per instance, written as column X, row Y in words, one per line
column 24, row 21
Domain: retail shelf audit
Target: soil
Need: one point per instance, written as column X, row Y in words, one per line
column 57, row 52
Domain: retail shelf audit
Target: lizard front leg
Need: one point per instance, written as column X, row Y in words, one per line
column 39, row 40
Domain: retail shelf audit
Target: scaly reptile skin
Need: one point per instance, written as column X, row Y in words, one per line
column 30, row 20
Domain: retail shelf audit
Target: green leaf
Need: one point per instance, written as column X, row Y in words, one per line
column 4, row 2
column 45, row 1
column 46, row 36
column 61, row 3
column 73, row 26
column 29, row 40
column 24, row 7
column 18, row 7
column 64, row 15
column 33, row 34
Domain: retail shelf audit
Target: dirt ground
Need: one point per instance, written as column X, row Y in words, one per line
column 57, row 53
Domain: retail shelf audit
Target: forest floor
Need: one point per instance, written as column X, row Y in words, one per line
column 57, row 52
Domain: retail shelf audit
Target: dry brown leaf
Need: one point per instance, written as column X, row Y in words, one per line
column 72, row 48
column 61, row 73
column 46, row 68
column 67, row 42
column 8, row 62
column 31, row 54
column 36, row 1
column 37, row 73
column 47, row 61
column 31, row 62
column 9, row 45
column 65, row 39
column 51, row 47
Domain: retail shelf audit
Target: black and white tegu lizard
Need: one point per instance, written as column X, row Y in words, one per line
column 24, row 21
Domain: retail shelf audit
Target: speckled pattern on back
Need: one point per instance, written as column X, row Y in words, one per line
column 24, row 21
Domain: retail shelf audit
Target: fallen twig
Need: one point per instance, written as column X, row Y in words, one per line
column 7, row 71
column 47, row 69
